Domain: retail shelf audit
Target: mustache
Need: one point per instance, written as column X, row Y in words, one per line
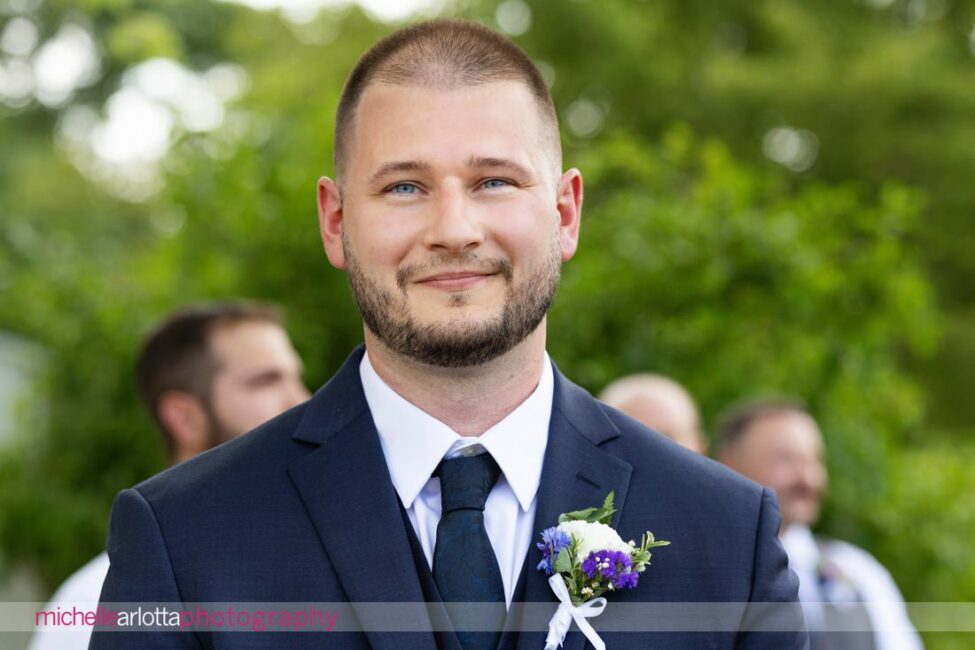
column 802, row 492
column 446, row 261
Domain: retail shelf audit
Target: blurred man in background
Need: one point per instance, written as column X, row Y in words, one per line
column 207, row 374
column 660, row 403
column 779, row 445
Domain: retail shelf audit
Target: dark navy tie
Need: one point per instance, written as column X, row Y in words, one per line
column 464, row 565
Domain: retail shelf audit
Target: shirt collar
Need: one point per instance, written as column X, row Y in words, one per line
column 415, row 442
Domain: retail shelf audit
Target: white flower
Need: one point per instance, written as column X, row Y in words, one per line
column 594, row 537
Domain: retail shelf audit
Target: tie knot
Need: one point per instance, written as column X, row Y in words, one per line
column 466, row 481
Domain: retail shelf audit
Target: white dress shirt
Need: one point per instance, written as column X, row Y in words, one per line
column 871, row 581
column 80, row 590
column 415, row 442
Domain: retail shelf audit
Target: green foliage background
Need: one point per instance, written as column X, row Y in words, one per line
column 848, row 283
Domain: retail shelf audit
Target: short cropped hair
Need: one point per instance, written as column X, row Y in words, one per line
column 176, row 355
column 735, row 422
column 440, row 53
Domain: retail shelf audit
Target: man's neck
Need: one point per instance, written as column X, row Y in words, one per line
column 469, row 400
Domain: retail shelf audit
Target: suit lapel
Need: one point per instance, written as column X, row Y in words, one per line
column 346, row 488
column 577, row 473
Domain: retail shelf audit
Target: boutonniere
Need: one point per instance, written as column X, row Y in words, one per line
column 587, row 558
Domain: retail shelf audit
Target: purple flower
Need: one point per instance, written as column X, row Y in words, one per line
column 614, row 566
column 553, row 541
column 626, row 580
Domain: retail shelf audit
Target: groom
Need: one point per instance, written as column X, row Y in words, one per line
column 424, row 470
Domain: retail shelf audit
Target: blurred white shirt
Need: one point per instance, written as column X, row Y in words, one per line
column 80, row 590
column 873, row 584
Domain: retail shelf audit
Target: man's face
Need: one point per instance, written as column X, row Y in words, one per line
column 258, row 376
column 453, row 221
column 784, row 451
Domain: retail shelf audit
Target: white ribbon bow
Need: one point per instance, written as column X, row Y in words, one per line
column 558, row 627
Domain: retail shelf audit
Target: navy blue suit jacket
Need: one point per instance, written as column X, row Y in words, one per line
column 303, row 509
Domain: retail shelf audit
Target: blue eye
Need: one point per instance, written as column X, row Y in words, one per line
column 495, row 182
column 403, row 188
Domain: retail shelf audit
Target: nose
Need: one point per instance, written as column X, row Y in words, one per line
column 814, row 475
column 454, row 225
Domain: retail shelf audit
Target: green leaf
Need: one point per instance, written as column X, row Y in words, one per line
column 570, row 584
column 602, row 515
column 605, row 514
column 563, row 563
column 577, row 515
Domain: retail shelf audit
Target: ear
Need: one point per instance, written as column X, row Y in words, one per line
column 569, row 206
column 330, row 221
column 186, row 422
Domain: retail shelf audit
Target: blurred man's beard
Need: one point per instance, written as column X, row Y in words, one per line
column 801, row 505
column 455, row 343
column 219, row 432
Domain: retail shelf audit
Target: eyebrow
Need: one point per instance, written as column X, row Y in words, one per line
column 479, row 162
column 474, row 162
column 264, row 375
column 400, row 166
column 273, row 373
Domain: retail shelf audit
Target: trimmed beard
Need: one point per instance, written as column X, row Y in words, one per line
column 455, row 343
column 217, row 431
